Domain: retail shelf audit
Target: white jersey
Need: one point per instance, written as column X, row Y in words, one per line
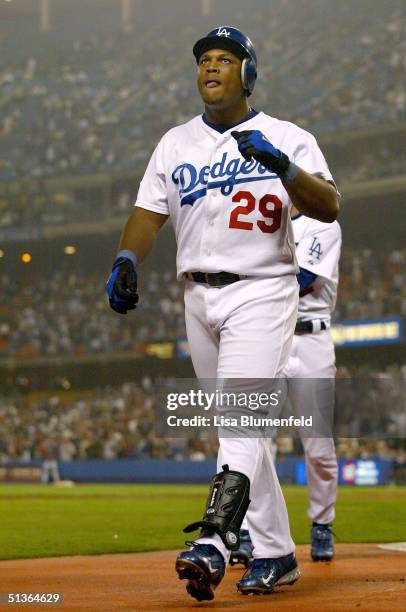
column 318, row 247
column 229, row 214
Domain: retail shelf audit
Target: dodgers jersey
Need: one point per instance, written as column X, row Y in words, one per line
column 229, row 214
column 318, row 247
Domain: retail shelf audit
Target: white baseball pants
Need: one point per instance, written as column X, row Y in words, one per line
column 245, row 330
column 312, row 357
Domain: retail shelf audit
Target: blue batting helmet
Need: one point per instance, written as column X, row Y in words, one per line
column 231, row 39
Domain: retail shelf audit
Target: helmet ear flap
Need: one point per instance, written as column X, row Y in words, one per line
column 243, row 73
column 248, row 75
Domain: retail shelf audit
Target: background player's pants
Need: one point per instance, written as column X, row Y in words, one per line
column 50, row 471
column 244, row 331
column 312, row 357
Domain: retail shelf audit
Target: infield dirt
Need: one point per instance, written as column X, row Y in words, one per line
column 361, row 577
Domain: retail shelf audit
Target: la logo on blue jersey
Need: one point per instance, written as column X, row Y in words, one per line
column 194, row 183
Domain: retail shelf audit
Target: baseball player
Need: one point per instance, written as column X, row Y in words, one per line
column 227, row 179
column 312, row 358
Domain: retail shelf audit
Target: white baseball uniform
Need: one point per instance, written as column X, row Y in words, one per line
column 232, row 215
column 312, row 356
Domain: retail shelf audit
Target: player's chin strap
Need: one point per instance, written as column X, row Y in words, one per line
column 226, row 507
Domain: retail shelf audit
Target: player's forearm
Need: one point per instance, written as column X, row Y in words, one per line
column 140, row 231
column 313, row 196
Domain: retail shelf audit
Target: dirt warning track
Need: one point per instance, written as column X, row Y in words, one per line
column 361, row 577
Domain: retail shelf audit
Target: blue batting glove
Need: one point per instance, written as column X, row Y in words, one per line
column 252, row 143
column 121, row 286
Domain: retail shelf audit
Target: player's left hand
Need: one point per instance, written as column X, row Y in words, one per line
column 121, row 286
column 252, row 143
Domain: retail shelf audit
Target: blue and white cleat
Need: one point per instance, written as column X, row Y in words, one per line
column 322, row 542
column 264, row 575
column 243, row 555
column 204, row 568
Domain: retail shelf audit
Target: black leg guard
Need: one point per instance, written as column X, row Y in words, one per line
column 226, row 507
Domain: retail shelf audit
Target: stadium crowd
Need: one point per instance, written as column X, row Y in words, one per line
column 91, row 106
column 373, row 162
column 107, row 423
column 50, row 315
column 371, row 285
column 117, row 422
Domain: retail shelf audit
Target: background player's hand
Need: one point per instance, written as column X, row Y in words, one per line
column 252, row 143
column 121, row 286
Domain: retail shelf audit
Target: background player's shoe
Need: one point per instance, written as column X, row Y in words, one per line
column 264, row 575
column 322, row 542
column 204, row 567
column 244, row 554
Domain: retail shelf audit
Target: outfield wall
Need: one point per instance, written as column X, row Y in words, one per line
column 373, row 471
column 353, row 472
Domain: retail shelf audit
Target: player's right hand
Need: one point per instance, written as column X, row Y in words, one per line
column 253, row 143
column 121, row 286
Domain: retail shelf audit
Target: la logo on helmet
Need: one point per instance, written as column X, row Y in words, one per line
column 223, row 32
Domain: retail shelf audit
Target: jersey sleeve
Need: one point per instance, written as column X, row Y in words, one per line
column 319, row 250
column 308, row 156
column 152, row 193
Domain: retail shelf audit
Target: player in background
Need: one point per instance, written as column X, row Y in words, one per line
column 312, row 357
column 227, row 179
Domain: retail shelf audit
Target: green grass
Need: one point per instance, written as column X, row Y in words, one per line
column 41, row 521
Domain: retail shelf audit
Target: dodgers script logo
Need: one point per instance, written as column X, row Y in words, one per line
column 194, row 183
